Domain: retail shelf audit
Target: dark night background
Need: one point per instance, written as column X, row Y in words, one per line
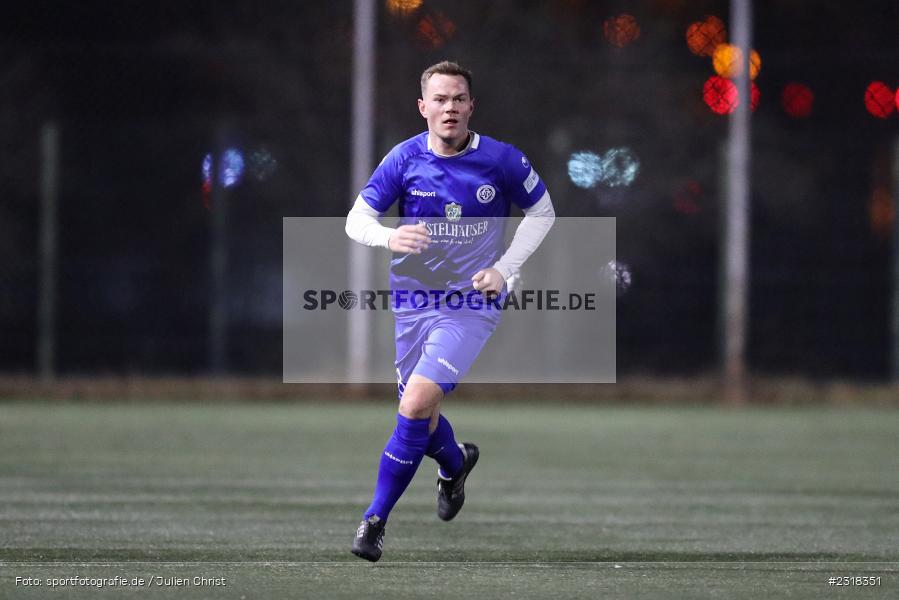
column 141, row 92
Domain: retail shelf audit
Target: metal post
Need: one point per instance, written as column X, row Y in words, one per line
column 894, row 325
column 358, row 334
column 736, row 233
column 46, row 314
column 218, row 265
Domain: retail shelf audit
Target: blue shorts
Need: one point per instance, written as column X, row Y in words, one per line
column 441, row 347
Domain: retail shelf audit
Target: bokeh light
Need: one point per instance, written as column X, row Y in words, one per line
column 621, row 30
column 704, row 36
column 755, row 96
column 720, row 95
column 584, row 169
column 687, row 198
column 880, row 99
column 755, row 64
column 881, row 212
column 206, row 190
column 403, row 7
column 620, row 274
column 262, row 164
column 434, row 30
column 797, row 100
column 727, row 60
column 619, row 167
column 231, row 167
column 207, row 168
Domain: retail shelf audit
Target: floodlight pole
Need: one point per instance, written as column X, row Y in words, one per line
column 358, row 334
column 894, row 308
column 47, row 252
column 218, row 262
column 735, row 277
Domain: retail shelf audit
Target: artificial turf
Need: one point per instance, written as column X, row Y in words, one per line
column 567, row 501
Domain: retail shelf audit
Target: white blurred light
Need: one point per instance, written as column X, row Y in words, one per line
column 231, row 167
column 619, row 167
column 207, row 168
column 619, row 273
column 262, row 164
column 584, row 169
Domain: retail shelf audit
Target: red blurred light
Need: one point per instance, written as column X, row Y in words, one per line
column 687, row 197
column 720, row 94
column 755, row 95
column 206, row 194
column 704, row 36
column 435, row 30
column 880, row 99
column 797, row 100
column 621, row 30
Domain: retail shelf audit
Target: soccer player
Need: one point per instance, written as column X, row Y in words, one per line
column 440, row 177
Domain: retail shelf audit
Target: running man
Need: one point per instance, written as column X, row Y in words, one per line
column 454, row 188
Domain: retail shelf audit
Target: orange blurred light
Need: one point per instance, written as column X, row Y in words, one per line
column 621, row 30
column 704, row 36
column 727, row 60
column 881, row 212
column 720, row 95
column 435, row 30
column 403, row 7
column 755, row 64
column 880, row 100
column 797, row 100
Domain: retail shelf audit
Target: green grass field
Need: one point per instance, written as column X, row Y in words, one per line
column 566, row 502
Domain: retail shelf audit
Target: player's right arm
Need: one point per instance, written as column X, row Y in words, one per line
column 363, row 223
column 364, row 226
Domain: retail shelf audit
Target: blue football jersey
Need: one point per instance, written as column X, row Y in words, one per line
column 462, row 199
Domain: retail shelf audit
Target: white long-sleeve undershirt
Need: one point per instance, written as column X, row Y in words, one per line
column 363, row 225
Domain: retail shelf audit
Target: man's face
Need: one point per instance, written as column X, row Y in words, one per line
column 447, row 105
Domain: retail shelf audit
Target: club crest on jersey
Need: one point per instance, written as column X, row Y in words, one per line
column 486, row 193
column 453, row 211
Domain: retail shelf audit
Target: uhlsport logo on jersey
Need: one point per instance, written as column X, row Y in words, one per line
column 423, row 194
column 453, row 211
column 486, row 193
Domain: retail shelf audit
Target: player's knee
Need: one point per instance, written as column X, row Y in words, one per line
column 419, row 400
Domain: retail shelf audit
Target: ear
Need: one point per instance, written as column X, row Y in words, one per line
column 472, row 105
column 421, row 108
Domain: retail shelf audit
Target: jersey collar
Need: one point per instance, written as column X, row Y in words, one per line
column 473, row 142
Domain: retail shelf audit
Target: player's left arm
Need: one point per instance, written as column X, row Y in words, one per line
column 538, row 219
column 525, row 189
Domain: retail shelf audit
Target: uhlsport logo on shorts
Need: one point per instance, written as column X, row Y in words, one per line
column 453, row 211
column 486, row 193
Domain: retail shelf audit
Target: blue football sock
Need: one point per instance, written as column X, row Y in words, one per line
column 401, row 457
column 443, row 448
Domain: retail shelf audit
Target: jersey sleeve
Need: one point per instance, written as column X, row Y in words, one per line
column 523, row 185
column 386, row 184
